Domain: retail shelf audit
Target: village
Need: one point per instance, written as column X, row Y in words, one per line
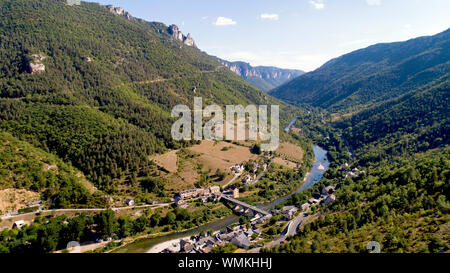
column 245, row 236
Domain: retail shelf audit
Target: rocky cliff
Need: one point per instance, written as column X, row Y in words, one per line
column 119, row 11
column 177, row 34
column 265, row 78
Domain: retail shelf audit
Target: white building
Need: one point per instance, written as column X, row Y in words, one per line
column 19, row 224
column 129, row 202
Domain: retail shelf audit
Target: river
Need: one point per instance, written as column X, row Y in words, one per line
column 320, row 165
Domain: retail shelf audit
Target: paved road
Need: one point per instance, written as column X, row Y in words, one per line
column 86, row 210
column 293, row 225
column 290, row 230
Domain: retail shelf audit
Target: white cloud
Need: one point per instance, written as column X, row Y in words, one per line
column 373, row 2
column 224, row 21
column 318, row 4
column 272, row 16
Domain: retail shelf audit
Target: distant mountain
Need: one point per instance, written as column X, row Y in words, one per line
column 265, row 78
column 371, row 75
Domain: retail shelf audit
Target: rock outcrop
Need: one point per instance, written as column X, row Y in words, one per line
column 119, row 11
column 263, row 77
column 35, row 65
column 178, row 35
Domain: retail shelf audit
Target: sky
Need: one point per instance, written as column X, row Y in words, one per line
column 296, row 34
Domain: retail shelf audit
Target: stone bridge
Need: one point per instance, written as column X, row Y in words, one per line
column 245, row 206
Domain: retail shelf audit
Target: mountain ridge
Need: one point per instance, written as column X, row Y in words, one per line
column 373, row 74
column 264, row 77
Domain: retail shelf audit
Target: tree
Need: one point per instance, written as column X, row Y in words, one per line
column 256, row 149
column 105, row 223
column 124, row 226
column 48, row 237
column 141, row 223
column 155, row 219
column 171, row 218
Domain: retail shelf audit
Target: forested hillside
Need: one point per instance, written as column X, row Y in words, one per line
column 403, row 204
column 385, row 111
column 96, row 88
column 26, row 167
column 374, row 74
column 415, row 122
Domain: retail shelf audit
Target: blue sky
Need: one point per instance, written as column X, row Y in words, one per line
column 300, row 34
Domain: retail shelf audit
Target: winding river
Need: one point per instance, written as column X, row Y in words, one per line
column 320, row 165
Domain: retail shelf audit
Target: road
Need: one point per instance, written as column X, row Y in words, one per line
column 260, row 175
column 290, row 230
column 231, row 181
column 87, row 210
column 294, row 224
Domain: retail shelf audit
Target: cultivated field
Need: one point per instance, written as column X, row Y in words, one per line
column 208, row 155
column 286, row 163
column 221, row 155
column 290, row 152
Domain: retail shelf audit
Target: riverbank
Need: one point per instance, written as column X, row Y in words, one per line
column 160, row 247
column 144, row 243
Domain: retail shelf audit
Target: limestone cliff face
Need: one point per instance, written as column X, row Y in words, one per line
column 119, row 11
column 177, row 34
column 263, row 77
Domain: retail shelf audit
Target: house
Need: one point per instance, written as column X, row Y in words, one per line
column 263, row 165
column 206, row 242
column 257, row 231
column 289, row 212
column 247, row 179
column 249, row 233
column 237, row 169
column 181, row 203
column 263, row 219
column 19, row 224
column 330, row 199
column 351, row 175
column 129, row 202
column 305, row 207
column 226, row 236
column 313, row 201
column 328, row 190
column 235, row 192
column 214, row 190
column 185, row 246
column 276, row 211
column 191, row 193
column 241, row 240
